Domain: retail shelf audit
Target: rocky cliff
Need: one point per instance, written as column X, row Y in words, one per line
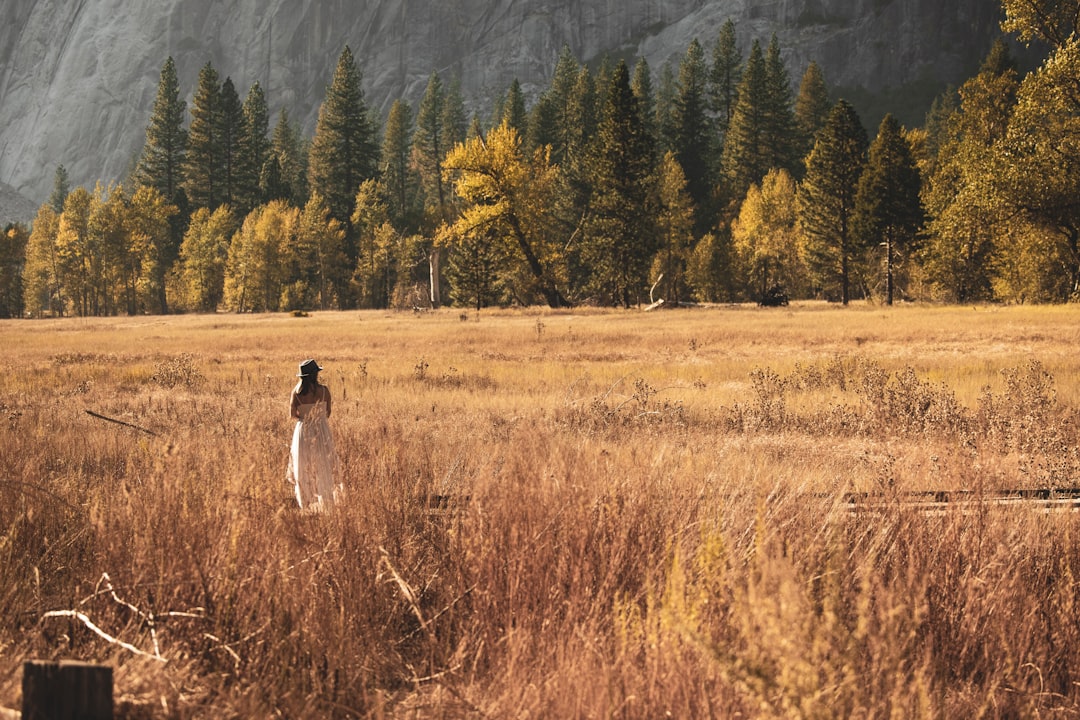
column 78, row 77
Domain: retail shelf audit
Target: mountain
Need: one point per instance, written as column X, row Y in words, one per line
column 78, row 77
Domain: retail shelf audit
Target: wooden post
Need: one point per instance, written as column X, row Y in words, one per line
column 66, row 690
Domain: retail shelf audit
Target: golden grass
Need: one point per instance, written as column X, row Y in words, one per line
column 650, row 513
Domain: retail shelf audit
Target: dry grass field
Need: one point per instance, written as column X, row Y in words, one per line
column 647, row 513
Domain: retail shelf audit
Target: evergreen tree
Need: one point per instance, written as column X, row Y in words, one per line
column 161, row 164
column 745, row 158
column 779, row 131
column 724, row 76
column 203, row 165
column 429, row 148
column 694, row 133
column 514, row 113
column 562, row 95
column 666, row 126
column 61, row 188
column 826, row 198
column 888, row 211
column 811, row 111
column 641, row 85
column 290, row 152
column 13, row 243
column 542, row 128
column 231, row 133
column 620, row 238
column 254, row 151
column 398, row 174
column 344, row 152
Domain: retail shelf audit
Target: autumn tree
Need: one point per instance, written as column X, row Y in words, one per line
column 506, row 197
column 826, row 198
column 254, row 273
column 966, row 217
column 1037, row 164
column 203, row 256
column 43, row 291
column 674, row 232
column 766, row 237
column 320, row 270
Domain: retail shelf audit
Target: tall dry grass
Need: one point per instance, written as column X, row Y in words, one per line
column 646, row 514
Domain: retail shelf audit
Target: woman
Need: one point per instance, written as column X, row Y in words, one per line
column 311, row 462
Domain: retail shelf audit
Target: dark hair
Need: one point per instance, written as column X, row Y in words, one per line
column 308, row 383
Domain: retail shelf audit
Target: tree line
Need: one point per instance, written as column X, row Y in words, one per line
column 709, row 182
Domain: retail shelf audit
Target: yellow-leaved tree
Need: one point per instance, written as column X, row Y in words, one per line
column 507, row 198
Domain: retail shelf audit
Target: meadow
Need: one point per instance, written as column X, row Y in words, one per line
column 548, row 514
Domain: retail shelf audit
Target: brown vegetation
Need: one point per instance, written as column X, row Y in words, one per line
column 643, row 514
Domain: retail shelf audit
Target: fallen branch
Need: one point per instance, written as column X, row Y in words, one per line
column 99, row 416
column 100, row 633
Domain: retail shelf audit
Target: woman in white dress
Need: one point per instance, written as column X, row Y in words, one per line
column 311, row 462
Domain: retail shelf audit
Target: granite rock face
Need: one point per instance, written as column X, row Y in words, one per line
column 78, row 77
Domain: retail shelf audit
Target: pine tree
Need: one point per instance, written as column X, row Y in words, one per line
column 290, row 169
column 13, row 243
column 666, row 128
column 694, row 133
column 344, row 152
column 514, row 113
column 811, row 111
column 161, row 164
column 746, row 158
column 724, row 77
column 398, row 174
column 826, row 198
column 888, row 211
column 429, row 149
column 620, row 237
column 779, row 130
column 61, row 188
column 203, row 165
column 231, row 133
column 641, row 85
column 254, row 151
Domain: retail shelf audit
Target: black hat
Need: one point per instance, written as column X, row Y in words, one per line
column 308, row 367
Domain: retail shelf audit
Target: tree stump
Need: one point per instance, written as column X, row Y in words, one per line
column 66, row 690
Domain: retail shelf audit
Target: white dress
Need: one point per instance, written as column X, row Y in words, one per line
column 312, row 459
